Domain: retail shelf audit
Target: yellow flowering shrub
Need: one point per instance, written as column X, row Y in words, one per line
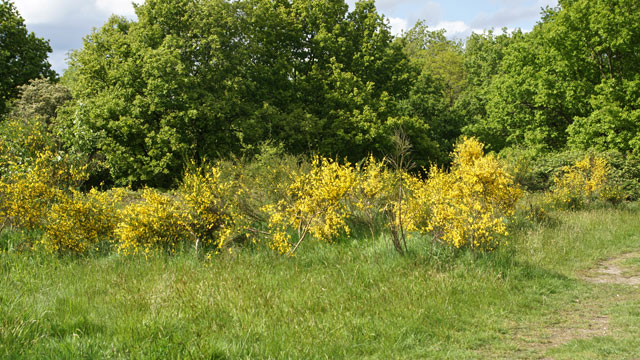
column 411, row 213
column 584, row 182
column 469, row 204
column 396, row 195
column 371, row 194
column 214, row 216
column 79, row 221
column 21, row 140
column 157, row 220
column 27, row 190
column 315, row 204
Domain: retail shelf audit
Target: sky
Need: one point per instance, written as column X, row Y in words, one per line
column 65, row 22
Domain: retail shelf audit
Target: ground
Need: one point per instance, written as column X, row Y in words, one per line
column 615, row 283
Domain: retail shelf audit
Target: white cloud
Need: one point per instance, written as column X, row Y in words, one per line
column 460, row 30
column 430, row 11
column 398, row 25
column 453, row 27
column 506, row 17
column 512, row 12
column 120, row 7
column 545, row 3
column 43, row 12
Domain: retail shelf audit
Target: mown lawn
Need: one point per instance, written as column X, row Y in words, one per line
column 354, row 299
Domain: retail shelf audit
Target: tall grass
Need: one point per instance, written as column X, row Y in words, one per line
column 354, row 299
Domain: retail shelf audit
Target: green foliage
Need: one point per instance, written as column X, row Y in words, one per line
column 441, row 58
column 263, row 178
column 438, row 125
column 573, row 79
column 614, row 123
column 483, row 56
column 40, row 98
column 535, row 171
column 438, row 82
column 584, row 182
column 23, row 56
column 625, row 172
column 531, row 100
column 195, row 80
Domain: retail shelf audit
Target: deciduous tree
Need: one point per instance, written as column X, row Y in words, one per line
column 23, row 56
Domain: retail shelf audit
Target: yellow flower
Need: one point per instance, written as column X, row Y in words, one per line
column 470, row 203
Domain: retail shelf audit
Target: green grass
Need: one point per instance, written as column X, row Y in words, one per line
column 632, row 265
column 354, row 299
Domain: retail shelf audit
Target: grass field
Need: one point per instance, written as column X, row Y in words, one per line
column 539, row 297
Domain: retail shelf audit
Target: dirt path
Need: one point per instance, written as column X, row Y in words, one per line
column 589, row 319
column 613, row 271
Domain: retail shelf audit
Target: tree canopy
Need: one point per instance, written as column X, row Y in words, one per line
column 209, row 79
column 573, row 81
column 200, row 79
column 23, row 56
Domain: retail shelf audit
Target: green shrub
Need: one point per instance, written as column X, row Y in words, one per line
column 536, row 171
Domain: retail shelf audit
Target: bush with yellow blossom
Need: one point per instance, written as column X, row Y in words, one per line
column 214, row 216
column 584, row 182
column 28, row 190
column 469, row 204
column 157, row 220
column 79, row 221
column 34, row 173
column 214, row 205
column 315, row 204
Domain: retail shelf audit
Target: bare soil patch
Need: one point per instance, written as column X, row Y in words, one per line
column 583, row 320
column 612, row 271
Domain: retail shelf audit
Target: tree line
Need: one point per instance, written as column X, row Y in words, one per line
column 207, row 79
